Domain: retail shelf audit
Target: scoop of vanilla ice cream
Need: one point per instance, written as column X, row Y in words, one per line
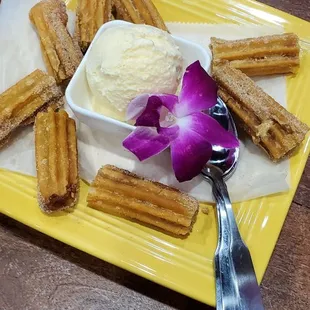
column 127, row 61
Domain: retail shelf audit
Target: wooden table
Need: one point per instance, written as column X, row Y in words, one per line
column 40, row 273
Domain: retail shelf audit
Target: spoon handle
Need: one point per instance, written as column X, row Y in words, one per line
column 236, row 284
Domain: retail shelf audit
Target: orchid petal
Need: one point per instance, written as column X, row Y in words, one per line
column 151, row 114
column 137, row 105
column 199, row 91
column 171, row 132
column 169, row 101
column 145, row 142
column 209, row 129
column 189, row 153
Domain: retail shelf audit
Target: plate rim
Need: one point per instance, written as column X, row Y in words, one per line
column 209, row 299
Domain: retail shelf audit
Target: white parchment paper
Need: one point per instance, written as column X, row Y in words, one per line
column 20, row 54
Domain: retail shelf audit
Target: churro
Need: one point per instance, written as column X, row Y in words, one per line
column 21, row 102
column 61, row 53
column 91, row 14
column 56, row 160
column 139, row 12
column 122, row 193
column 265, row 55
column 269, row 125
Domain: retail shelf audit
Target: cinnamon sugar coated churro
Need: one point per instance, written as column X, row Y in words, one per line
column 270, row 125
column 265, row 55
column 122, row 193
column 91, row 14
column 56, row 160
column 139, row 12
column 20, row 103
column 60, row 53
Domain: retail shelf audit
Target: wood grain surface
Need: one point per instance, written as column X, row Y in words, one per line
column 40, row 273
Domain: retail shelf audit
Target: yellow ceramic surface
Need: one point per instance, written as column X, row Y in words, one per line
column 183, row 265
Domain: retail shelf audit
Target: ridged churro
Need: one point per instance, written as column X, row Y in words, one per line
column 269, row 125
column 61, row 53
column 56, row 160
column 139, row 12
column 21, row 102
column 265, row 55
column 122, row 193
column 91, row 14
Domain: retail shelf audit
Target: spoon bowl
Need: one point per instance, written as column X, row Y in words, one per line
column 224, row 159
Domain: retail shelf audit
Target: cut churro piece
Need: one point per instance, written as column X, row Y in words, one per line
column 270, row 125
column 139, row 12
column 120, row 12
column 122, row 193
column 265, row 55
column 91, row 14
column 56, row 160
column 61, row 53
column 20, row 103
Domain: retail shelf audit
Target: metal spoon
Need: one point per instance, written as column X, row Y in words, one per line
column 236, row 284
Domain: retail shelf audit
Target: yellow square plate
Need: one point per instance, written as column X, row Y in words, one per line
column 183, row 265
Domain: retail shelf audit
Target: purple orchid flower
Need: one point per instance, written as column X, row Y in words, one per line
column 178, row 122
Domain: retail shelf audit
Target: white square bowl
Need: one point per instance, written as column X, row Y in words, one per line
column 79, row 96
